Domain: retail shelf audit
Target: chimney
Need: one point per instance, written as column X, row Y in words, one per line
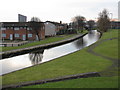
column 60, row 22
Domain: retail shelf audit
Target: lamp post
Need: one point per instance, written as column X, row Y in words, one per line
column 111, row 19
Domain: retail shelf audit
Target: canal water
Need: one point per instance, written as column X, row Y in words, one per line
column 40, row 56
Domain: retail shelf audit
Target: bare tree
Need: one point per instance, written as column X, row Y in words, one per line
column 36, row 26
column 103, row 21
column 79, row 22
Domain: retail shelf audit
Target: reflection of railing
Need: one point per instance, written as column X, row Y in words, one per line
column 36, row 57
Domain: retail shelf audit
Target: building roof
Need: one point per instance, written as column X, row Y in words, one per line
column 56, row 23
column 16, row 24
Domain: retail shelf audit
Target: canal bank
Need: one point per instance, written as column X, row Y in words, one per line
column 70, row 64
column 44, row 55
column 7, row 54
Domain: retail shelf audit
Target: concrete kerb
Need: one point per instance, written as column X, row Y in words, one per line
column 69, row 77
column 17, row 52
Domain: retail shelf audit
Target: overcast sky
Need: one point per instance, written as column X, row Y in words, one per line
column 55, row 10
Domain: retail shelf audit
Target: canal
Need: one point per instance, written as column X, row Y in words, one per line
column 40, row 56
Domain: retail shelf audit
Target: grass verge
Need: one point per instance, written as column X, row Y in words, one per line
column 74, row 63
column 47, row 40
column 108, row 48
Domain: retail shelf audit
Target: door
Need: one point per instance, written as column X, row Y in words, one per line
column 24, row 37
column 11, row 36
column 36, row 37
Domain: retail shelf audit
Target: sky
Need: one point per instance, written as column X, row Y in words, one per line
column 55, row 10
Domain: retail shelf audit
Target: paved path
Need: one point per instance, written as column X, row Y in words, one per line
column 6, row 44
column 110, row 71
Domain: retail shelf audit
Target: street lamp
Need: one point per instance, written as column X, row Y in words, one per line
column 111, row 19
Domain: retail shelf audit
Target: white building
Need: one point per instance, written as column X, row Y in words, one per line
column 119, row 10
column 50, row 29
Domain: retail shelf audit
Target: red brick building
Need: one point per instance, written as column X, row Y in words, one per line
column 20, row 31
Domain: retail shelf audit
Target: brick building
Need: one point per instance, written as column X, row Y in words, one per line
column 20, row 31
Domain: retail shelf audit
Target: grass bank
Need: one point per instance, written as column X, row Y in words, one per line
column 108, row 48
column 78, row 62
column 45, row 41
column 74, row 63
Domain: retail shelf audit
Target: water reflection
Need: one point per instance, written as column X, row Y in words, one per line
column 80, row 43
column 36, row 57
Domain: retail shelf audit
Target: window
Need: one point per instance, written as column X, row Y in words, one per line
column 8, row 28
column 3, row 28
column 29, row 35
column 29, row 28
column 21, row 27
column 11, row 27
column 16, row 35
column 3, row 35
column 24, row 27
column 16, row 28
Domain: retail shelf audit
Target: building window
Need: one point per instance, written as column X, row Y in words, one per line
column 21, row 27
column 3, row 28
column 29, row 35
column 3, row 35
column 11, row 27
column 8, row 28
column 16, row 28
column 29, row 28
column 16, row 35
column 24, row 27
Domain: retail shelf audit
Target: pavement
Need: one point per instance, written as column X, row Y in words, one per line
column 6, row 44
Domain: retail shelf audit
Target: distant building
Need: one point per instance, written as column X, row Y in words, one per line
column 119, row 10
column 19, row 31
column 115, row 25
column 50, row 29
column 22, row 18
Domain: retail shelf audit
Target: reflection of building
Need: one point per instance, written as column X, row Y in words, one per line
column 19, row 31
column 22, row 18
column 119, row 10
